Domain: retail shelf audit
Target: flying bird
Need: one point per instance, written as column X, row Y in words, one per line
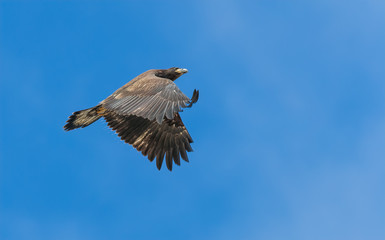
column 145, row 113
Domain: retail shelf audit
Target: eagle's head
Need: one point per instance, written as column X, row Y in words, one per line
column 171, row 73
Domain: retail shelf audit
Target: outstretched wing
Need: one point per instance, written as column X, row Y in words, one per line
column 150, row 98
column 170, row 139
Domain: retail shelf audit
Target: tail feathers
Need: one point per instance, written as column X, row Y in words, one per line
column 82, row 118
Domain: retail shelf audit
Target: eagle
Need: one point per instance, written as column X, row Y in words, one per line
column 145, row 114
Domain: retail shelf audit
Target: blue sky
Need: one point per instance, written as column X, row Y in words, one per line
column 289, row 130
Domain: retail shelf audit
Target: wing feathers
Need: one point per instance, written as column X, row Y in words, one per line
column 157, row 99
column 169, row 140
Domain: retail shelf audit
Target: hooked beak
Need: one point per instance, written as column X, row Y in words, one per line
column 181, row 70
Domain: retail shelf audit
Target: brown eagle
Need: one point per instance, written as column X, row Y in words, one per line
column 145, row 113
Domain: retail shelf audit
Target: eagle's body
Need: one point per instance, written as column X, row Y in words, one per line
column 145, row 113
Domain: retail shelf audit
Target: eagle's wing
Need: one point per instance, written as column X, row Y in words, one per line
column 170, row 139
column 149, row 97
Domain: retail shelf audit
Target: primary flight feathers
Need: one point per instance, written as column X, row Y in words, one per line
column 145, row 113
